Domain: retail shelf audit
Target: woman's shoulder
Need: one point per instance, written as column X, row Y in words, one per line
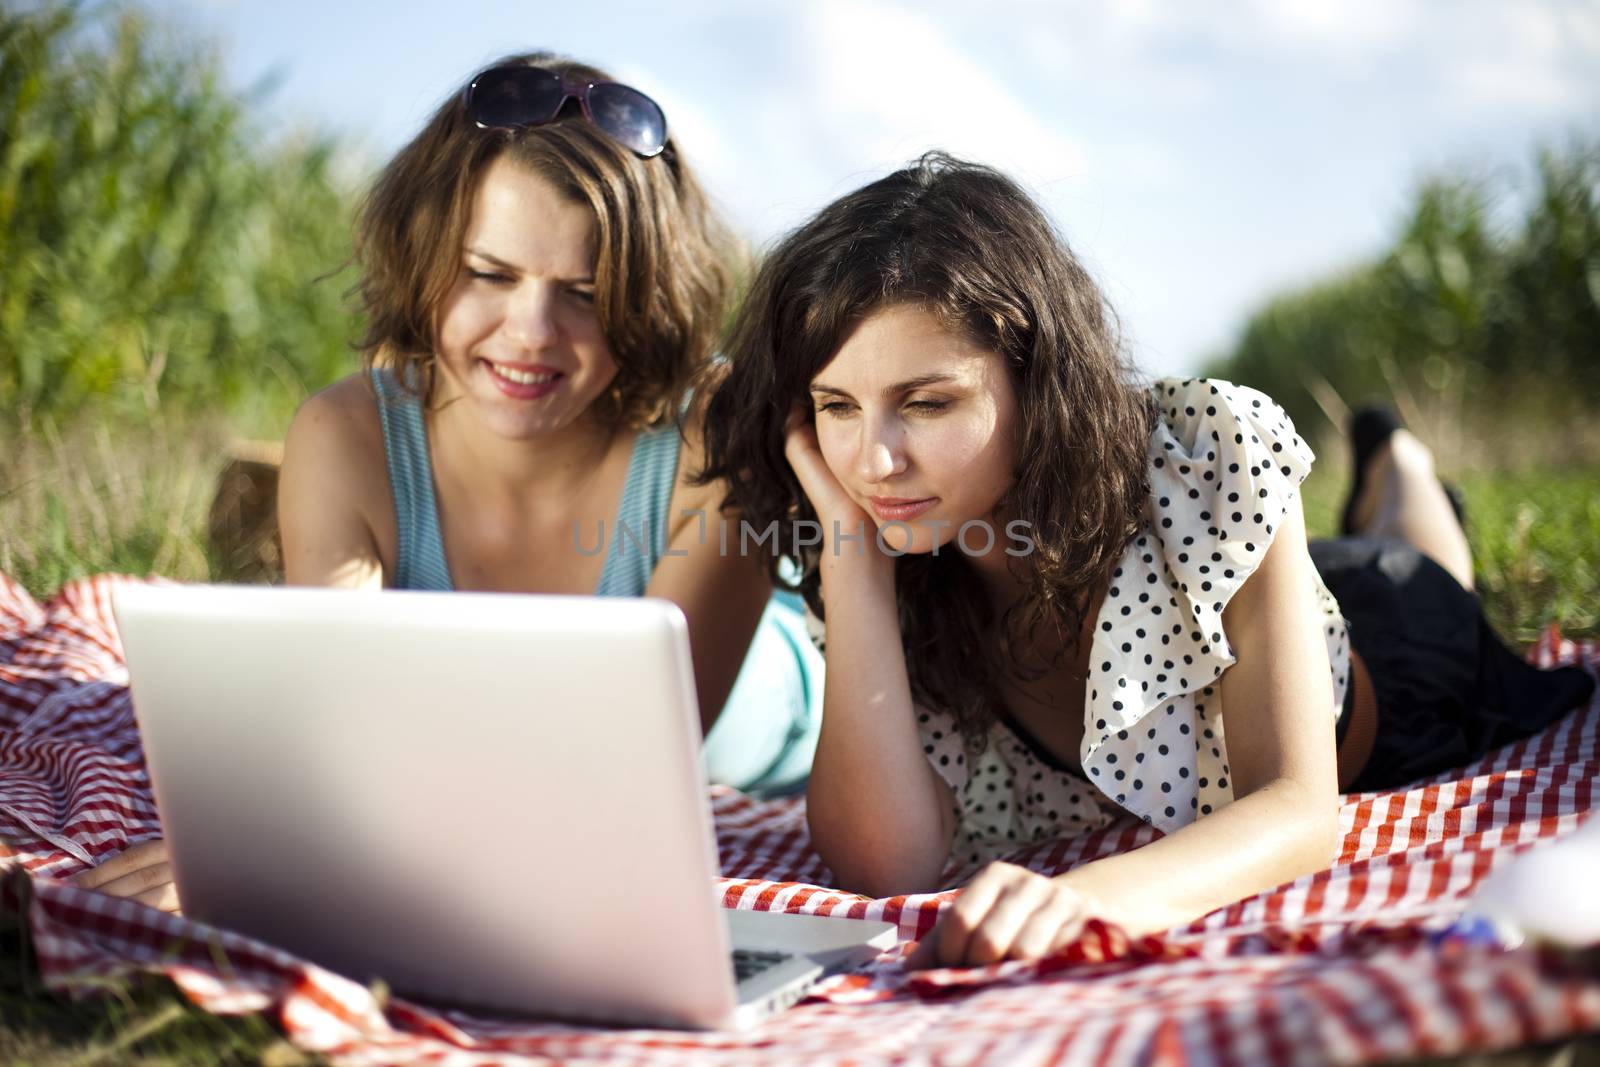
column 1188, row 405
column 347, row 410
column 353, row 396
column 335, row 509
column 339, row 428
column 1225, row 467
column 1225, row 463
column 1213, row 433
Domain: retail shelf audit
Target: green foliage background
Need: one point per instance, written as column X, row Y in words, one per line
column 1487, row 306
column 157, row 249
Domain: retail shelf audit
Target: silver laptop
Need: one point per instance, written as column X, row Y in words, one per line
column 483, row 799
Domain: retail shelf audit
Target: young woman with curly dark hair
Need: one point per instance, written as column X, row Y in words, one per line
column 1047, row 585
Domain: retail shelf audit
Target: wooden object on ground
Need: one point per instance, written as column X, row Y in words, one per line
column 243, row 523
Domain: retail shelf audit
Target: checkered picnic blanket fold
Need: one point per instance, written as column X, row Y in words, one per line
column 1336, row 968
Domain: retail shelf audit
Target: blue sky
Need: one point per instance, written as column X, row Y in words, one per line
column 1198, row 156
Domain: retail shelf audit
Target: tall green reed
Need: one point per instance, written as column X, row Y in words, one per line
column 157, row 248
column 1485, row 309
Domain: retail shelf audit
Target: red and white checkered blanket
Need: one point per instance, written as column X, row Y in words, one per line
column 1337, row 968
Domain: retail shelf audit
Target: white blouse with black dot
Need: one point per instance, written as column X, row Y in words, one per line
column 1225, row 462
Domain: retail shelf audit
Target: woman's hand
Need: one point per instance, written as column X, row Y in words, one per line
column 832, row 504
column 140, row 873
column 1006, row 913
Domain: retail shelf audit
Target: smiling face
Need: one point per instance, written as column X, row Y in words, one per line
column 519, row 339
column 919, row 426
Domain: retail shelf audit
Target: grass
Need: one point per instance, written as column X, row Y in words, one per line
column 141, row 1023
column 1534, row 531
column 98, row 496
column 1537, row 547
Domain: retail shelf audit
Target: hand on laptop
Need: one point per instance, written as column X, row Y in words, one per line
column 140, row 872
column 1005, row 913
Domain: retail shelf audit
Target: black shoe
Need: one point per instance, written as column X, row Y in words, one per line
column 1369, row 428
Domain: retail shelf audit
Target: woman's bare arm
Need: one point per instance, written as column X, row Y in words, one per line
column 1278, row 707
column 333, row 481
column 880, row 815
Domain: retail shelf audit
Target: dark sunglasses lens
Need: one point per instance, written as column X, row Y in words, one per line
column 514, row 96
column 629, row 116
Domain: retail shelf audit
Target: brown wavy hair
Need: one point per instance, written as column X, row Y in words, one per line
column 665, row 260
column 965, row 243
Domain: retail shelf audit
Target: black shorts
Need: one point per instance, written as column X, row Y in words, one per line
column 1448, row 690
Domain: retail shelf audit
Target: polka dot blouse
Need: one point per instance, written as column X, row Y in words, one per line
column 1225, row 462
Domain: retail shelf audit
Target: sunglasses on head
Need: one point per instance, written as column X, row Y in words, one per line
column 518, row 96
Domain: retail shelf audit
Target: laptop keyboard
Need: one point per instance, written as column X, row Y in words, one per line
column 749, row 962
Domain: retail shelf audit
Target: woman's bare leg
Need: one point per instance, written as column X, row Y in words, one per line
column 1402, row 498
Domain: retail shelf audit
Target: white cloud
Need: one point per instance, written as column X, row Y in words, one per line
column 1510, row 84
column 1352, row 26
column 865, row 88
column 903, row 85
column 1530, row 58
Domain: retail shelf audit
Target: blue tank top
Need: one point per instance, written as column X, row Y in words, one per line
column 633, row 542
column 768, row 729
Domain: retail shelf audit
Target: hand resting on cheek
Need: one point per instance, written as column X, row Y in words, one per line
column 828, row 498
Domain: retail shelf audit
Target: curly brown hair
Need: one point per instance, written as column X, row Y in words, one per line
column 961, row 241
column 665, row 260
